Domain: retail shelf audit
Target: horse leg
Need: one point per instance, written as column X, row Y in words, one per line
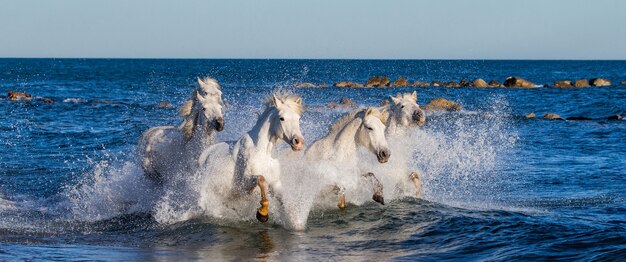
column 262, row 214
column 415, row 177
column 341, row 191
column 376, row 186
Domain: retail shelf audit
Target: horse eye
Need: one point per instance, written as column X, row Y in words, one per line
column 369, row 128
column 204, row 109
column 402, row 107
column 282, row 119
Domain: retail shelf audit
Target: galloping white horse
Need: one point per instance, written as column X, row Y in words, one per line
column 167, row 149
column 403, row 113
column 254, row 164
column 362, row 127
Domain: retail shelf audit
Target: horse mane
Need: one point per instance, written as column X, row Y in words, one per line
column 209, row 85
column 383, row 115
column 286, row 97
column 189, row 116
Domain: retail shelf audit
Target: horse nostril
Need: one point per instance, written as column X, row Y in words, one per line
column 219, row 124
column 296, row 141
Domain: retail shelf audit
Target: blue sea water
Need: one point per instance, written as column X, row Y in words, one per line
column 496, row 186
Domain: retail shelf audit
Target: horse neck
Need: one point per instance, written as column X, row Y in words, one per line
column 260, row 133
column 202, row 137
column 345, row 141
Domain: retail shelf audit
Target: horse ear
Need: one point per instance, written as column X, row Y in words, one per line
column 394, row 99
column 276, row 101
column 200, row 82
column 369, row 111
column 199, row 97
column 414, row 95
column 299, row 100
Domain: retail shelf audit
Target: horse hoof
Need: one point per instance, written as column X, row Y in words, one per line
column 262, row 218
column 379, row 198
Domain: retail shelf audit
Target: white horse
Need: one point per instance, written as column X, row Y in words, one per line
column 254, row 164
column 167, row 149
column 364, row 127
column 404, row 113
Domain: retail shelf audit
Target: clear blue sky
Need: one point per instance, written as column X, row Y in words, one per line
column 411, row 29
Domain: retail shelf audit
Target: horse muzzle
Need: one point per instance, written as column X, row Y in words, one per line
column 297, row 143
column 419, row 117
column 383, row 156
column 219, row 124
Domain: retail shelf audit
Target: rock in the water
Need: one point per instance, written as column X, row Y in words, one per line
column 418, row 83
column 600, row 82
column 464, row 83
column 530, row 115
column 479, row 82
column 377, row 81
column 48, row 100
column 563, row 84
column 623, row 83
column 348, row 84
column 304, row 84
column 344, row 102
column 12, row 95
column 164, row 104
column 437, row 83
column 581, row 83
column 552, row 116
column 400, row 82
column 452, row 84
column 577, row 118
column 442, row 104
column 384, row 102
column 518, row 82
column 615, row 117
column 494, row 83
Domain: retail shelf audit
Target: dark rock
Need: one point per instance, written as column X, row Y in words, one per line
column 304, row 84
column 615, row 117
column 464, row 83
column 48, row 100
column 400, row 82
column 442, row 104
column 164, row 104
column 563, row 84
column 518, row 82
column 494, row 83
column 12, row 95
column 600, row 82
column 552, row 116
column 344, row 102
column 479, row 82
column 348, row 84
column 377, row 81
column 418, row 83
column 103, row 102
column 451, row 84
column 581, row 83
column 576, row 118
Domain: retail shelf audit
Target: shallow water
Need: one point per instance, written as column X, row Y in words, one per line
column 496, row 186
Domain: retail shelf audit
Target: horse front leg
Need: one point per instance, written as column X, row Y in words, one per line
column 415, row 177
column 377, row 187
column 262, row 214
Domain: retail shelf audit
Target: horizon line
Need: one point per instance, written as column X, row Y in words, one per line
column 278, row 58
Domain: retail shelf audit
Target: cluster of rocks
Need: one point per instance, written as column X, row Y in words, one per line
column 434, row 105
column 553, row 116
column 21, row 96
column 513, row 81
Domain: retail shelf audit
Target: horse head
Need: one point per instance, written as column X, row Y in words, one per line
column 405, row 110
column 286, row 121
column 371, row 134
